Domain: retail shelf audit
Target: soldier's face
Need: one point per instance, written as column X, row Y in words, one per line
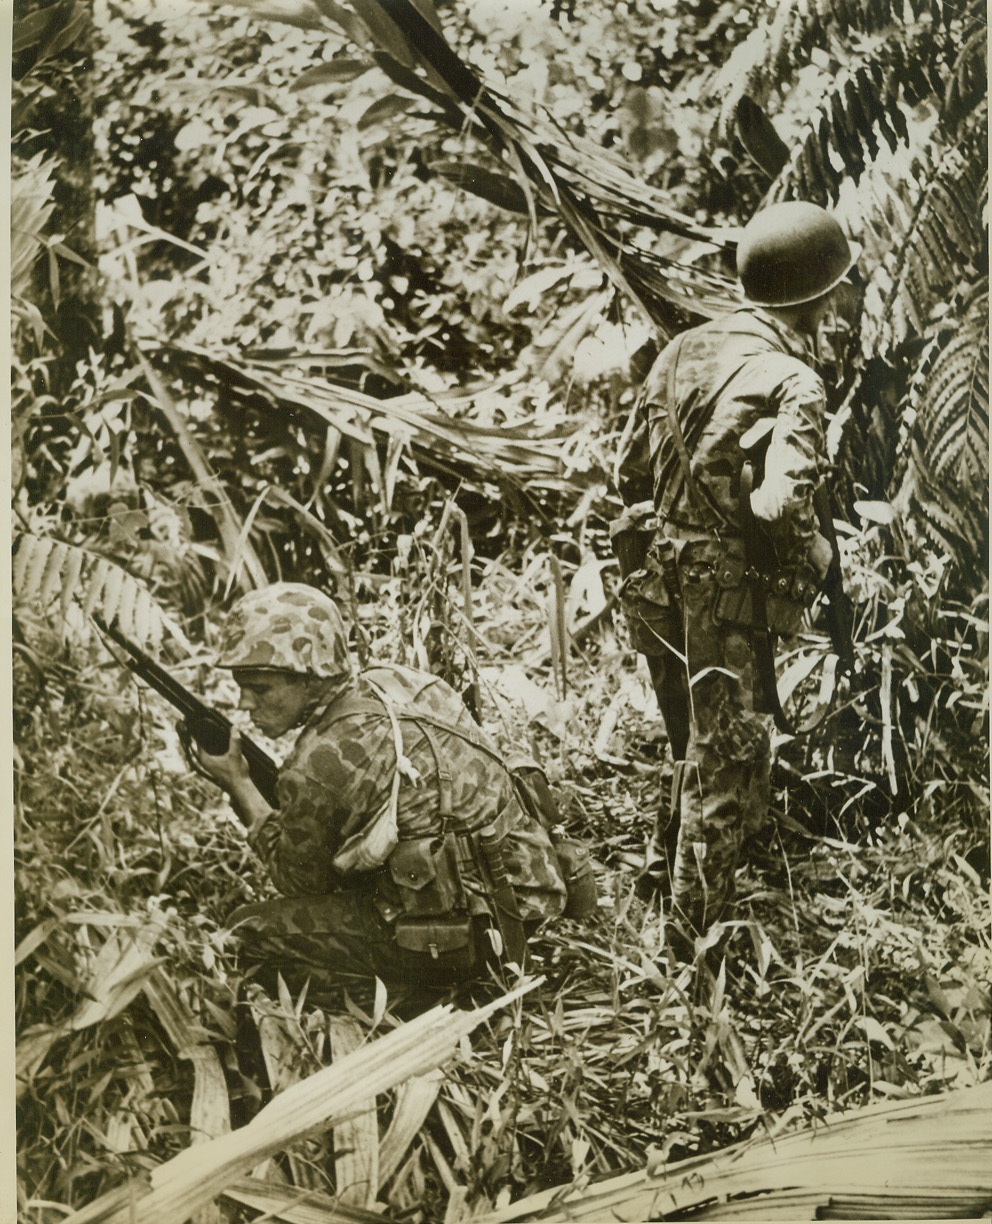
column 274, row 699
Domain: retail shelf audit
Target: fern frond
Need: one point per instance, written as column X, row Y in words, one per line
column 948, row 525
column 969, row 81
column 873, row 102
column 48, row 572
column 768, row 60
column 936, row 231
column 957, row 428
column 943, row 487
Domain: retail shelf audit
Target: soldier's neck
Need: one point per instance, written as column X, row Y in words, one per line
column 323, row 693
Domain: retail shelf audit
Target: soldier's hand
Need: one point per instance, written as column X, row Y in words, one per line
column 229, row 769
column 821, row 554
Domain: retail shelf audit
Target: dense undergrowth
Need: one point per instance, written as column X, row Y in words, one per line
column 856, row 969
column 313, row 356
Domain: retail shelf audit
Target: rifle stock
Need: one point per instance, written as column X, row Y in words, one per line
column 210, row 729
column 838, row 609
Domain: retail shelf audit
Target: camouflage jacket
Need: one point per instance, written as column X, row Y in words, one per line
column 338, row 782
column 730, row 373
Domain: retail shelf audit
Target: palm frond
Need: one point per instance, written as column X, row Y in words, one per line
column 47, row 572
column 517, row 455
column 767, row 60
column 843, row 134
column 900, row 1160
column 544, row 170
column 968, row 84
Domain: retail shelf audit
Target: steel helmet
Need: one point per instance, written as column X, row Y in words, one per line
column 288, row 626
column 791, row 253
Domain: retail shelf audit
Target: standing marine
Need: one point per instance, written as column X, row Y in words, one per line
column 403, row 844
column 718, row 466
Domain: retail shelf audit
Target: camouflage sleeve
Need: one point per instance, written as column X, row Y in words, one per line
column 327, row 792
column 784, row 499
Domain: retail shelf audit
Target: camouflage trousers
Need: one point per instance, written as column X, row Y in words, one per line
column 339, row 940
column 721, row 789
column 704, row 673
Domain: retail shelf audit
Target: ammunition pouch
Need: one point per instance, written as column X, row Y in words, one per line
column 425, row 870
column 580, row 882
column 574, row 861
column 435, row 920
column 449, row 941
column 788, row 590
column 652, row 610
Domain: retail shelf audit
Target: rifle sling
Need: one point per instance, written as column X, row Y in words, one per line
column 761, row 637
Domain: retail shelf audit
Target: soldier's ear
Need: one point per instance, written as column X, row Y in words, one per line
column 314, row 684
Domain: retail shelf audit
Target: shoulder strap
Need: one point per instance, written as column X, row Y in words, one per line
column 696, row 494
column 406, row 712
column 353, row 704
column 675, row 425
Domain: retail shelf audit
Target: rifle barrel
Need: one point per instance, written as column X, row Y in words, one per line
column 210, row 728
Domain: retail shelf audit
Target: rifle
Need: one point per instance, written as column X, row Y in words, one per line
column 838, row 609
column 206, row 727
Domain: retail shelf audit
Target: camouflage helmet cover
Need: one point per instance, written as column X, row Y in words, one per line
column 287, row 626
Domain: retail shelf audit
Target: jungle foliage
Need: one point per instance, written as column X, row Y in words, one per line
column 359, row 294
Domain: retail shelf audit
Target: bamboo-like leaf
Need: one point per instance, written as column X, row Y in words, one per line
column 356, row 1139
column 32, row 203
column 286, row 1205
column 210, row 1113
column 347, row 21
column 244, row 565
column 498, row 189
column 331, row 73
column 197, row 1175
column 47, row 32
column 383, row 109
column 414, row 1101
column 117, row 975
column 300, row 13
